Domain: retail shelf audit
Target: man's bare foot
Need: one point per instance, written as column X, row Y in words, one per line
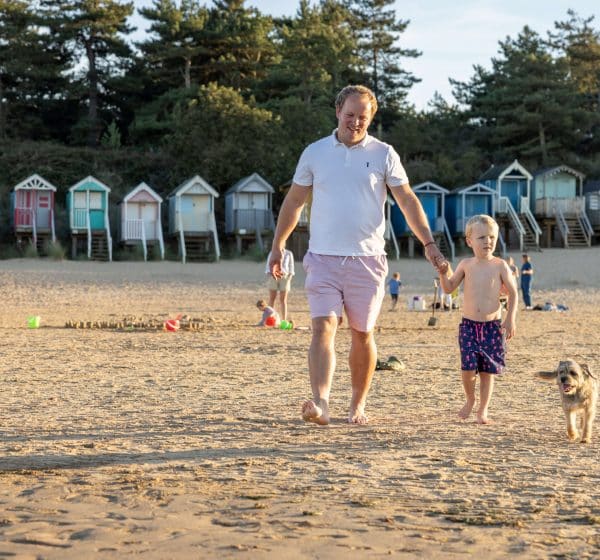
column 466, row 410
column 482, row 417
column 316, row 414
column 357, row 416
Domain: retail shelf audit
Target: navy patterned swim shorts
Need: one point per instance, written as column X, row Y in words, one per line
column 482, row 346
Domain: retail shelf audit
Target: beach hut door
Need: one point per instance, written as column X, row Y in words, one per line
column 148, row 214
column 430, row 206
column 195, row 209
column 23, row 207
column 510, row 189
column 43, row 210
column 96, row 210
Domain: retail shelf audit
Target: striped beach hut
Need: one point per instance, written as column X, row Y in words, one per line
column 32, row 212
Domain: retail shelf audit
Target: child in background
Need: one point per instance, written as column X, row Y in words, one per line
column 395, row 285
column 481, row 335
column 267, row 312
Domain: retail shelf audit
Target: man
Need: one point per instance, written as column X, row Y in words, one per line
column 526, row 278
column 346, row 264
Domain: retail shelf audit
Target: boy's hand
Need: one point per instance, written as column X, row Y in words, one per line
column 509, row 328
column 442, row 266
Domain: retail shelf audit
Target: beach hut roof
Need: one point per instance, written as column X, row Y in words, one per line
column 90, row 179
column 499, row 171
column 142, row 187
column 189, row 183
column 429, row 186
column 476, row 188
column 35, row 182
column 559, row 169
column 243, row 184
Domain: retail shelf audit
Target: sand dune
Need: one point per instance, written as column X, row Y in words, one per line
column 120, row 442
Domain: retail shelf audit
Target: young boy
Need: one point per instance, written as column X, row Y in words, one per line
column 267, row 312
column 395, row 285
column 481, row 336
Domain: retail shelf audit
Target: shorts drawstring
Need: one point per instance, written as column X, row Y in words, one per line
column 346, row 258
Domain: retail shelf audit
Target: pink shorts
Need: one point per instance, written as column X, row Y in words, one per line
column 353, row 284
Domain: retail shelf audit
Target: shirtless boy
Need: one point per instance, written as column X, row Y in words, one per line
column 481, row 334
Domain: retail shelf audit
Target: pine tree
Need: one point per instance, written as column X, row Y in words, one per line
column 92, row 30
column 380, row 52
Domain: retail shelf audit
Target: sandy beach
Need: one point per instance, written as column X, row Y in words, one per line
column 137, row 442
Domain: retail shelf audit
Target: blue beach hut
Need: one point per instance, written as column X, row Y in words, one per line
column 249, row 210
column 512, row 184
column 192, row 223
column 463, row 203
column 559, row 205
column 87, row 205
column 433, row 199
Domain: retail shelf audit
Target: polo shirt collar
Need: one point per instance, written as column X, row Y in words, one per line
column 362, row 143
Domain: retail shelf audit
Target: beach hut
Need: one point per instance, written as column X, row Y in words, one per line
column 249, row 211
column 433, row 200
column 192, row 223
column 32, row 212
column 559, row 206
column 87, row 205
column 592, row 204
column 512, row 184
column 463, row 203
column 140, row 220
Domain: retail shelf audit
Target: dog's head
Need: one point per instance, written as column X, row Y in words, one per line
column 570, row 376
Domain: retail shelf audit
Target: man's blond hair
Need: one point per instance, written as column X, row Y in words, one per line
column 356, row 90
column 480, row 219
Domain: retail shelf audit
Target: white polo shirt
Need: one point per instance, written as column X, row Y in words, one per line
column 349, row 191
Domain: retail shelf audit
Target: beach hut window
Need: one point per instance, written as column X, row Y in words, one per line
column 95, row 201
column 79, row 200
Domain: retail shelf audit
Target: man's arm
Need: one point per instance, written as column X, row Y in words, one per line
column 416, row 219
column 512, row 302
column 289, row 215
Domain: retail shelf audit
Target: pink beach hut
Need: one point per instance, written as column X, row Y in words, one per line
column 32, row 214
column 140, row 220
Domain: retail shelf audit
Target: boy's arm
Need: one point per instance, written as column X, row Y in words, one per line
column 510, row 321
column 450, row 281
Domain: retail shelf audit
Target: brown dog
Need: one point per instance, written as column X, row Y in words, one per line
column 578, row 388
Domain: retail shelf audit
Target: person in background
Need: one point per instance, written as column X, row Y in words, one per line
column 526, row 280
column 394, row 285
column 281, row 285
column 267, row 313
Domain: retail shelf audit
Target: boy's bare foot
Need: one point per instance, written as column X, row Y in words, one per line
column 313, row 413
column 482, row 417
column 464, row 412
column 357, row 416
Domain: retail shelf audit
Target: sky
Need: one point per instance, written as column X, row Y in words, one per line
column 452, row 36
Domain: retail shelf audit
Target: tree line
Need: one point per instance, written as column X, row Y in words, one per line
column 225, row 90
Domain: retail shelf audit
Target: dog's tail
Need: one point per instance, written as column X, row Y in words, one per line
column 546, row 375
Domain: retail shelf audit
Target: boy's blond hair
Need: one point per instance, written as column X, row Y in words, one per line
column 480, row 219
column 261, row 304
column 356, row 90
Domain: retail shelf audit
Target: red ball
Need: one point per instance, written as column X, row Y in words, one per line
column 270, row 321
